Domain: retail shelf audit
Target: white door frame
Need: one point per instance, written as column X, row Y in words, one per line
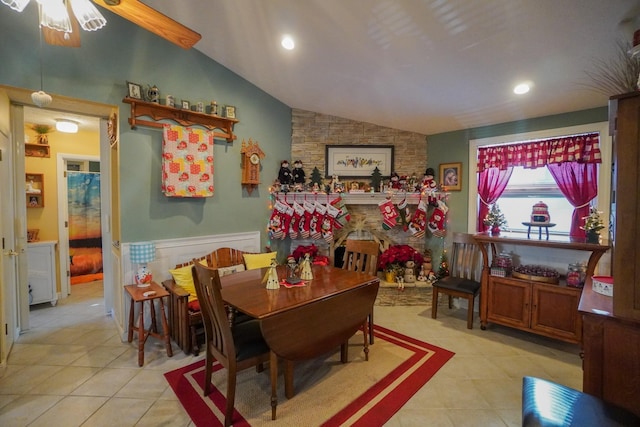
column 63, row 216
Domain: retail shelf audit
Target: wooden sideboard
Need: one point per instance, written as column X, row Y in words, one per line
column 541, row 308
column 611, row 352
column 611, row 341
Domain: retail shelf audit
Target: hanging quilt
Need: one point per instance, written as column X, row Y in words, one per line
column 187, row 162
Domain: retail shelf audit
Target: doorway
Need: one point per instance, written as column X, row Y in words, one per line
column 79, row 212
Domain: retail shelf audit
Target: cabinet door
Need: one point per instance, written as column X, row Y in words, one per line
column 508, row 302
column 41, row 274
column 555, row 312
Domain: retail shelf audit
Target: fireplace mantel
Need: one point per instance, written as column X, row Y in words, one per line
column 353, row 198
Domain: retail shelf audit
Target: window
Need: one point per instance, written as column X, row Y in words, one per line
column 526, row 188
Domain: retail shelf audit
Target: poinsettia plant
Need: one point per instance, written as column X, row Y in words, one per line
column 301, row 251
column 396, row 256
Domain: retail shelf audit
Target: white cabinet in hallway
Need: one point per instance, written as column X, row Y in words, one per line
column 41, row 259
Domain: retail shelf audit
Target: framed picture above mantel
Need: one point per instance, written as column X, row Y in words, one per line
column 358, row 161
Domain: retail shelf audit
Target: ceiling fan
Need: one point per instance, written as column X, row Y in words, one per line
column 152, row 20
column 62, row 28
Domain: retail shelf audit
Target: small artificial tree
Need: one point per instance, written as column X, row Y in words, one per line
column 376, row 179
column 443, row 269
column 316, row 177
column 495, row 218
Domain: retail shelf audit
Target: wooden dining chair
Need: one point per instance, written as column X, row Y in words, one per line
column 236, row 348
column 464, row 278
column 362, row 255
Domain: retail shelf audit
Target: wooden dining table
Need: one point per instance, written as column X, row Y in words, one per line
column 303, row 322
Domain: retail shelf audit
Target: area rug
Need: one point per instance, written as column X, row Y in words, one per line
column 328, row 393
column 408, row 296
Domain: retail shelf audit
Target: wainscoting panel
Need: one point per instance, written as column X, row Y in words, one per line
column 170, row 252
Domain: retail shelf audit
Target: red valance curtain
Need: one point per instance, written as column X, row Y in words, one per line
column 533, row 154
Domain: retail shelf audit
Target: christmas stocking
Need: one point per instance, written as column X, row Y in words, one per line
column 287, row 216
column 328, row 223
column 436, row 222
column 343, row 217
column 305, row 222
column 276, row 221
column 389, row 214
column 298, row 216
column 419, row 221
column 315, row 230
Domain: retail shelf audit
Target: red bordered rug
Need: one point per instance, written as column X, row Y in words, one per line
column 328, row 393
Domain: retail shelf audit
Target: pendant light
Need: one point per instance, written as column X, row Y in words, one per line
column 41, row 98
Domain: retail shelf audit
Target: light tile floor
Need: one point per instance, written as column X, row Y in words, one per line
column 72, row 369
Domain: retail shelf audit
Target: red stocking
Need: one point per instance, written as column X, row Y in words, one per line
column 389, row 214
column 296, row 219
column 419, row 221
column 328, row 223
column 437, row 220
column 315, row 230
column 343, row 217
column 276, row 222
column 305, row 223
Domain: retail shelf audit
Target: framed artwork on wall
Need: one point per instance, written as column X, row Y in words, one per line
column 134, row 90
column 358, row 161
column 451, row 176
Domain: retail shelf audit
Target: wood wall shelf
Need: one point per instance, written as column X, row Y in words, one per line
column 157, row 112
column 36, row 150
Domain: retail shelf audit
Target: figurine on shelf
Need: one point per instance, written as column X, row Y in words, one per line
column 153, row 94
column 298, row 175
column 31, row 189
column 395, row 181
column 284, row 175
column 429, row 187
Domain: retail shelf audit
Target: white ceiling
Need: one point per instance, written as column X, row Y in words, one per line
column 426, row 66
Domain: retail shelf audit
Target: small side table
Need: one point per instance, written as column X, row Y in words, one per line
column 540, row 227
column 137, row 296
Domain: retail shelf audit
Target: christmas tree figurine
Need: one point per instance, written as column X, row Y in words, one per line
column 305, row 270
column 376, row 179
column 316, row 177
column 271, row 277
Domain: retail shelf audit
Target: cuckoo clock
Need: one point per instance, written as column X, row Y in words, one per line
column 251, row 157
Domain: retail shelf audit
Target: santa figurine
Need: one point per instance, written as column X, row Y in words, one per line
column 284, row 175
column 430, row 187
column 395, row 181
column 298, row 175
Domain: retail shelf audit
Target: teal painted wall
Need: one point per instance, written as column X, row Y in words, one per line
column 98, row 71
column 452, row 147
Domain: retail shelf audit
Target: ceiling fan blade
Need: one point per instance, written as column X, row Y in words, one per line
column 59, row 38
column 152, row 20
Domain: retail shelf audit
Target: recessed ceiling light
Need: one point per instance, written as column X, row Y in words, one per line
column 521, row 89
column 67, row 126
column 287, row 42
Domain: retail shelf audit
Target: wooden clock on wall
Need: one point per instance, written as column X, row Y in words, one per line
column 251, row 157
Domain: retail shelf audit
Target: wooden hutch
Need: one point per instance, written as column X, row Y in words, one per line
column 611, row 325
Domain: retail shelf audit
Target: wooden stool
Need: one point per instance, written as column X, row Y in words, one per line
column 137, row 296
